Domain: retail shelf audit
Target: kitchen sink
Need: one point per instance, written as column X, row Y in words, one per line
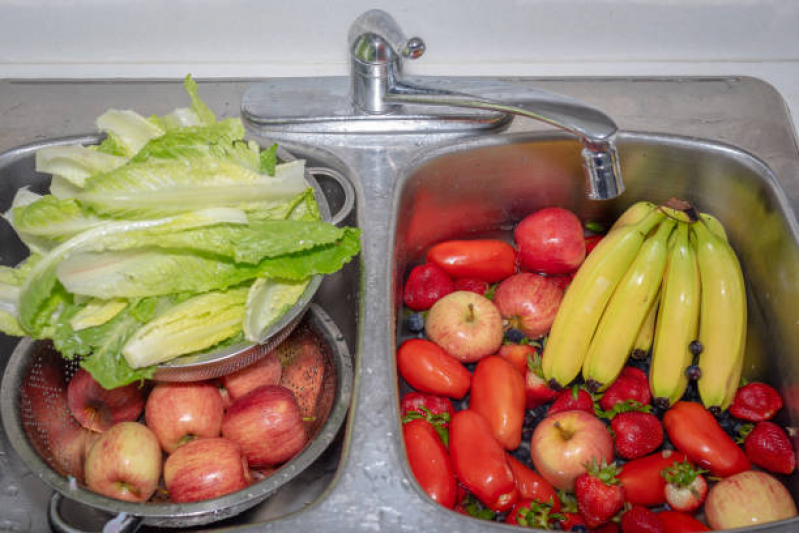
column 725, row 143
column 483, row 187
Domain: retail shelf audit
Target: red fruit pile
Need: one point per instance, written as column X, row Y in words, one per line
column 203, row 439
column 604, row 462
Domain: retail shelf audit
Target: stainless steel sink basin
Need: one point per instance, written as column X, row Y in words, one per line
column 415, row 189
column 478, row 187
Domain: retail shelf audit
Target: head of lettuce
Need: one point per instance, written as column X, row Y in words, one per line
column 173, row 236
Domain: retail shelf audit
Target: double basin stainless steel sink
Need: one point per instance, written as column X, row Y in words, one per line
column 725, row 144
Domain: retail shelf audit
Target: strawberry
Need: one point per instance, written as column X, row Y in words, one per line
column 755, row 402
column 532, row 513
column 769, row 447
column 574, row 398
column 599, row 494
column 628, row 386
column 636, row 434
column 471, row 284
column 519, row 355
column 677, row 522
column 425, row 285
column 610, row 527
column 536, row 389
column 591, row 242
column 572, row 520
column 639, row 519
column 685, row 488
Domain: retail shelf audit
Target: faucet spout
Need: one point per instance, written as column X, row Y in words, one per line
column 377, row 50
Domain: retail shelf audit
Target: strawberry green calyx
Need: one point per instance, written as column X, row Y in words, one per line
column 626, row 406
column 440, row 421
column 538, row 515
column 605, row 472
column 681, row 474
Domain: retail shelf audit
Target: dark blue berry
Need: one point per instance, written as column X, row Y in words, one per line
column 579, row 527
column 415, row 322
column 667, row 444
column 514, row 335
column 641, row 364
column 693, row 372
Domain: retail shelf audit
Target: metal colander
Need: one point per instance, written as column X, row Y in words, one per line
column 39, row 426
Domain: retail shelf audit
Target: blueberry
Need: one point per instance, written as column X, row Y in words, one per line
column 693, row 372
column 641, row 364
column 726, row 422
column 667, row 444
column 415, row 322
column 514, row 335
column 579, row 527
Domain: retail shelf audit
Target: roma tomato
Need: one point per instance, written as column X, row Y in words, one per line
column 430, row 462
column 437, row 405
column 641, row 479
column 428, row 368
column 486, row 259
column 675, row 522
column 532, row 486
column 498, row 394
column 550, row 241
column 480, row 462
column 695, row 431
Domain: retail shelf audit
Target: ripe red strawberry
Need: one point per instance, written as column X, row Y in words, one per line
column 769, row 447
column 471, row 284
column 677, row 522
column 599, row 494
column 639, row 519
column 519, row 355
column 426, row 284
column 628, row 386
column 685, row 488
column 756, row 402
column 571, row 521
column 573, row 398
column 637, row 373
column 610, row 527
column 536, row 390
column 591, row 242
column 636, row 434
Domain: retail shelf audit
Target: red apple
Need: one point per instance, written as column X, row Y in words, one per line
column 550, row 241
column 205, row 468
column 180, row 412
column 528, row 303
column 748, row 499
column 562, row 444
column 97, row 408
column 265, row 371
column 267, row 424
column 466, row 325
column 125, row 463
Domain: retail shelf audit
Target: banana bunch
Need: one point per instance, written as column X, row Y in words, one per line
column 665, row 280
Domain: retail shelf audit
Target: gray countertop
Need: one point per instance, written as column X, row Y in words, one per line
column 371, row 490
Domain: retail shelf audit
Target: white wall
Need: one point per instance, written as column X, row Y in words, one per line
column 243, row 38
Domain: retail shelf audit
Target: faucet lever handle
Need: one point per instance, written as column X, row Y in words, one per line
column 379, row 23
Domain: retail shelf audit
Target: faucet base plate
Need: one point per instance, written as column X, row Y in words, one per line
column 323, row 106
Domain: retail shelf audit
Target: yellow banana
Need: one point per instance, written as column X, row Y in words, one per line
column 587, row 296
column 677, row 321
column 714, row 225
column 634, row 213
column 646, row 334
column 722, row 321
column 626, row 311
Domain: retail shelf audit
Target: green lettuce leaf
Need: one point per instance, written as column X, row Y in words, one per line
column 49, row 221
column 203, row 112
column 267, row 301
column 75, row 163
column 128, row 131
column 164, row 187
column 190, row 326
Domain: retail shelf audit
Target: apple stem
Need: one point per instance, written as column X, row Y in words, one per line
column 564, row 433
column 471, row 313
column 309, row 419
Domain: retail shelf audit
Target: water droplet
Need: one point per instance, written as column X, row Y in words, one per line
column 11, row 490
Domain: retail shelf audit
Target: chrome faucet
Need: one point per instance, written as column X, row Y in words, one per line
column 378, row 49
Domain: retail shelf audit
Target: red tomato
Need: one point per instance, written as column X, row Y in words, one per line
column 430, row 461
column 486, row 259
column 480, row 462
column 517, row 355
column 437, row 405
column 675, row 522
column 550, row 241
column 532, row 486
column 695, row 431
column 641, row 479
column 428, row 368
column 498, row 394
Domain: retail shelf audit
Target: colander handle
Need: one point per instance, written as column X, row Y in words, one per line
column 346, row 186
column 121, row 523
